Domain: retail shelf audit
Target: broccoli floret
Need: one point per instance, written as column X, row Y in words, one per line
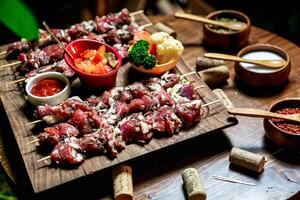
column 149, row 61
column 141, row 45
column 139, row 55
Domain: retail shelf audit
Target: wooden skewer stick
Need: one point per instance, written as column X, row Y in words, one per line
column 3, row 53
column 210, row 103
column 35, row 122
column 57, row 40
column 198, row 87
column 188, row 74
column 19, row 80
column 200, row 101
column 146, row 25
column 136, row 13
column 10, row 64
column 32, row 142
column 232, row 180
column 42, row 159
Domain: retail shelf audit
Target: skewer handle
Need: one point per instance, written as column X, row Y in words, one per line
column 136, row 12
column 43, row 159
column 198, row 87
column 3, row 53
column 19, row 80
column 32, row 142
column 10, row 64
column 188, row 74
column 35, row 122
column 210, row 103
column 145, row 26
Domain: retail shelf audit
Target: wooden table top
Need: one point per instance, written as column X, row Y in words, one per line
column 159, row 176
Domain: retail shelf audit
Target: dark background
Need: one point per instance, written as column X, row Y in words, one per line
column 281, row 17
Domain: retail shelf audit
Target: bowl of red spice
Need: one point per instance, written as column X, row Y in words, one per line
column 48, row 88
column 283, row 132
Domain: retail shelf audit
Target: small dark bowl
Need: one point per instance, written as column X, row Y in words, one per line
column 263, row 80
column 282, row 138
column 228, row 40
column 106, row 80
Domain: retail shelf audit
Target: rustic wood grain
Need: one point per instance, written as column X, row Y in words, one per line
column 43, row 177
column 159, row 176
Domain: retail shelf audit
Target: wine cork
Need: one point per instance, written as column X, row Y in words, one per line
column 223, row 97
column 246, row 159
column 164, row 28
column 215, row 75
column 122, row 183
column 193, row 185
column 205, row 63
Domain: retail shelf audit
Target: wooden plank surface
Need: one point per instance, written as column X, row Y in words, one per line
column 159, row 176
column 43, row 177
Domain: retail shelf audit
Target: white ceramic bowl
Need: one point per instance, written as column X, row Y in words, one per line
column 51, row 100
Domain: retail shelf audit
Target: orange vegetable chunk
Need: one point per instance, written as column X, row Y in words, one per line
column 142, row 35
column 101, row 50
column 89, row 53
column 99, row 68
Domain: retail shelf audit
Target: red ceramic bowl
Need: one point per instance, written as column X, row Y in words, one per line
column 107, row 80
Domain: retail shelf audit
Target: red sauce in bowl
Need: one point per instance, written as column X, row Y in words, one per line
column 47, row 87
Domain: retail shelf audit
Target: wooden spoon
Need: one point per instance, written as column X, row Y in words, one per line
column 237, row 26
column 265, row 63
column 252, row 112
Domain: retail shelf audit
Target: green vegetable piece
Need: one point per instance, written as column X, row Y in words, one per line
column 139, row 55
column 18, row 18
column 149, row 61
column 111, row 59
column 142, row 45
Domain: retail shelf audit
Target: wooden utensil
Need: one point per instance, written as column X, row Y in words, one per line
column 265, row 63
column 237, row 26
column 253, row 112
column 57, row 40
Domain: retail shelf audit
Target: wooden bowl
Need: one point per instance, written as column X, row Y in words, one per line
column 277, row 135
column 274, row 77
column 227, row 40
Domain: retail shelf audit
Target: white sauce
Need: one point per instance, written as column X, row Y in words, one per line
column 260, row 55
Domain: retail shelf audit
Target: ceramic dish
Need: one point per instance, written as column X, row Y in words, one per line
column 51, row 100
column 106, row 80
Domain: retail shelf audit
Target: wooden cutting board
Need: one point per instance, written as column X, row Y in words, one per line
column 44, row 177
